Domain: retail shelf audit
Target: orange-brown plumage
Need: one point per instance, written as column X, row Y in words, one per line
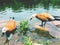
column 44, row 17
column 10, row 25
column 9, row 28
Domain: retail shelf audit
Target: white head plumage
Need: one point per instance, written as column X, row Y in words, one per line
column 4, row 30
column 34, row 15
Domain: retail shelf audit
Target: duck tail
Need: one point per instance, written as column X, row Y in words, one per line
column 57, row 18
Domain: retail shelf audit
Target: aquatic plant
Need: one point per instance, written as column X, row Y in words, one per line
column 39, row 42
column 23, row 27
column 47, row 42
column 27, row 40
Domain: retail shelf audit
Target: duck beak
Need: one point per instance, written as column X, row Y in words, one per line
column 30, row 18
column 2, row 34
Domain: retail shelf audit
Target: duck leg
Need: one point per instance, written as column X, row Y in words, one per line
column 41, row 23
column 44, row 23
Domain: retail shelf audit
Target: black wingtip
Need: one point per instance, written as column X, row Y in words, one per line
column 57, row 18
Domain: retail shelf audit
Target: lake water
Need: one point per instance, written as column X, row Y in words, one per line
column 26, row 13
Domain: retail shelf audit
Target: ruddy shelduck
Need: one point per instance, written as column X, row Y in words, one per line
column 9, row 28
column 44, row 17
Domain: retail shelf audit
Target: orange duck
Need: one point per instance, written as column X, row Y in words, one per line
column 9, row 28
column 44, row 17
